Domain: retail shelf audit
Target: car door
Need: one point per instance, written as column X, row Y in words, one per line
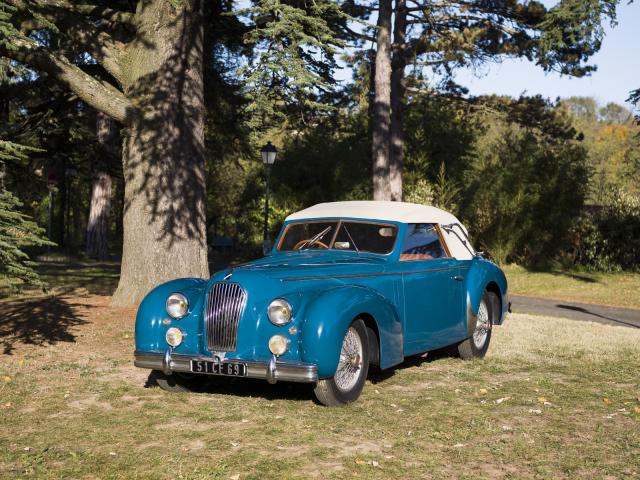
column 433, row 290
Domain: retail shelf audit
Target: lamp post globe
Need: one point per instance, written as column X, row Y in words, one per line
column 268, row 153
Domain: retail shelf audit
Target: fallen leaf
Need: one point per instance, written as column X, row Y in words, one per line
column 244, row 420
column 483, row 391
column 374, row 463
column 506, row 428
column 503, row 399
column 542, row 399
column 235, row 444
column 27, row 449
column 113, row 454
column 359, row 461
column 535, row 411
column 235, row 477
column 388, row 457
column 393, row 405
column 7, row 379
column 606, row 400
column 399, row 410
column 459, row 445
column 636, row 409
column 377, row 391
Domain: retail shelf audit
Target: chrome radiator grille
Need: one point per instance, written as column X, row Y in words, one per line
column 225, row 304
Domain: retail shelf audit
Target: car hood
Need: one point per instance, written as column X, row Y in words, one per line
column 302, row 265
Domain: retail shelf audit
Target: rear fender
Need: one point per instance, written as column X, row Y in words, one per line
column 328, row 317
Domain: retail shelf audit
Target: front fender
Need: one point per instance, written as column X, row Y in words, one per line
column 150, row 328
column 481, row 274
column 328, row 317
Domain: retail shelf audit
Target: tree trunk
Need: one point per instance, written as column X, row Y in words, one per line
column 98, row 223
column 382, row 105
column 398, row 90
column 163, row 151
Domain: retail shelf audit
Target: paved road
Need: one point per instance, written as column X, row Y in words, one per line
column 625, row 317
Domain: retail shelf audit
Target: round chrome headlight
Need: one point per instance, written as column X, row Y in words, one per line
column 174, row 336
column 177, row 305
column 279, row 344
column 279, row 312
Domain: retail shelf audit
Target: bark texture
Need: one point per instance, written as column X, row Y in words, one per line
column 398, row 89
column 382, row 104
column 163, row 151
column 98, row 223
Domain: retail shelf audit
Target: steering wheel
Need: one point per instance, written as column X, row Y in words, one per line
column 317, row 242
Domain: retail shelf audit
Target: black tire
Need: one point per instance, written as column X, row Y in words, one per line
column 333, row 393
column 475, row 346
column 176, row 382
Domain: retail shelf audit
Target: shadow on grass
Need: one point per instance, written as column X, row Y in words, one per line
column 565, row 273
column 612, row 320
column 249, row 387
column 38, row 321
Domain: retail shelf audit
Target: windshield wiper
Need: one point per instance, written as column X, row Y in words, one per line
column 315, row 238
column 351, row 238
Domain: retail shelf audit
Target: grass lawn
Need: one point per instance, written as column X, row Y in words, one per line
column 616, row 289
column 553, row 399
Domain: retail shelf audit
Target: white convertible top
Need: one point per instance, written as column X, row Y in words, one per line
column 403, row 212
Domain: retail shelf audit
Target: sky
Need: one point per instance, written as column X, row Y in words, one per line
column 618, row 71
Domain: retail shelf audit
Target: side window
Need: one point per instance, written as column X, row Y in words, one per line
column 421, row 242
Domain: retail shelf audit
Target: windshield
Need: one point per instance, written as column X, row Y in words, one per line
column 339, row 235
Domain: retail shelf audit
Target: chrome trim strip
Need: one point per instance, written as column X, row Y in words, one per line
column 283, row 371
column 363, row 275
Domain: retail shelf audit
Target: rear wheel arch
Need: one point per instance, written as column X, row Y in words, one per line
column 496, row 310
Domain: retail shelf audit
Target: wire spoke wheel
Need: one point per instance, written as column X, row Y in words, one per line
column 351, row 372
column 350, row 363
column 483, row 325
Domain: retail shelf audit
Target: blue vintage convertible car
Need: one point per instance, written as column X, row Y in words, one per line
column 348, row 285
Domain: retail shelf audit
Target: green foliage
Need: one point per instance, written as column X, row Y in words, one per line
column 513, row 170
column 612, row 139
column 294, row 44
column 608, row 238
column 17, row 232
column 572, row 32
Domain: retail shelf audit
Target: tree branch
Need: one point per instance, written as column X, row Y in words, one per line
column 99, row 94
column 72, row 24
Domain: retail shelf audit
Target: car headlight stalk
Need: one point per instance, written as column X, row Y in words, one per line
column 279, row 312
column 177, row 305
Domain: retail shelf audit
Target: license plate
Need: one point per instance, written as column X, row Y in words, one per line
column 217, row 368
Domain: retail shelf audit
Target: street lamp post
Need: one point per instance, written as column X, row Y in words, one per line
column 268, row 153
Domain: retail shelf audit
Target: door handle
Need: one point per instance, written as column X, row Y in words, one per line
column 458, row 278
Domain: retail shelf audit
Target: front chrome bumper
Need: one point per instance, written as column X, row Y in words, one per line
column 272, row 371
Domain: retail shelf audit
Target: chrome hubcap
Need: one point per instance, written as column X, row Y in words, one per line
column 483, row 325
column 350, row 364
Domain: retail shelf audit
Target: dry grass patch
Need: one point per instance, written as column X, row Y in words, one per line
column 554, row 399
